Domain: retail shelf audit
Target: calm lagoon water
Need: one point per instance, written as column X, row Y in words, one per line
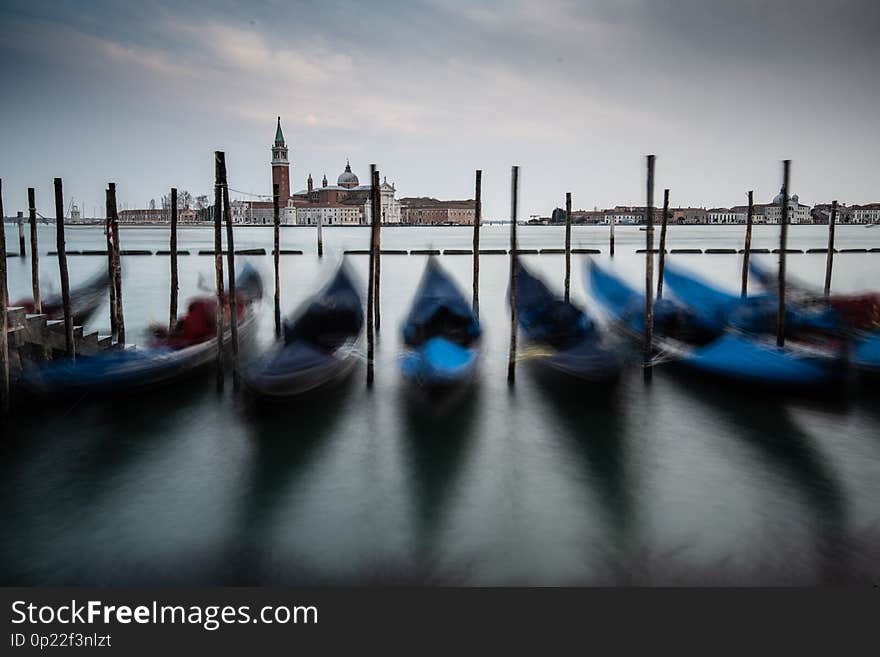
column 679, row 482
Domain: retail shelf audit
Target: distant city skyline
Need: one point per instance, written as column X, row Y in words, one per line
column 574, row 93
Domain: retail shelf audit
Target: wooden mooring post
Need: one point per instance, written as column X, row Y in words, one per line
column 35, row 252
column 117, row 266
column 747, row 247
column 111, row 283
column 4, row 319
column 374, row 175
column 649, row 272
column 377, row 245
column 829, row 260
column 478, row 211
column 172, row 306
column 611, row 236
column 661, row 253
column 783, row 243
column 218, row 264
column 62, row 270
column 514, row 195
column 230, row 274
column 567, row 246
column 276, row 219
column 21, row 250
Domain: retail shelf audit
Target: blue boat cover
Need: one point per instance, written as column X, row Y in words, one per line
column 546, row 318
column 731, row 355
column 741, row 357
column 309, row 356
column 439, row 361
column 249, row 283
column 867, row 351
column 440, row 309
column 627, row 306
column 718, row 309
column 333, row 317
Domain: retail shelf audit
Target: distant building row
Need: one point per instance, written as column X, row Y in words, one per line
column 763, row 213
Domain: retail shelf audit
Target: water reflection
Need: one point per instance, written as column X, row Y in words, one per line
column 63, row 472
column 769, row 429
column 285, row 438
column 436, row 442
column 592, row 418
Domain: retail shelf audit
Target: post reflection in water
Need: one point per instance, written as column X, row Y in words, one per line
column 788, row 453
column 592, row 421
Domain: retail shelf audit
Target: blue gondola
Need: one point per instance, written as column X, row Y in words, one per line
column 718, row 309
column 169, row 357
column 728, row 355
column 319, row 344
column 441, row 332
column 859, row 315
column 562, row 337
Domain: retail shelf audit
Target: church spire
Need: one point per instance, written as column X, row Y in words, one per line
column 279, row 136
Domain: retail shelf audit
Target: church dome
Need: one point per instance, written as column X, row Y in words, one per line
column 347, row 178
column 777, row 200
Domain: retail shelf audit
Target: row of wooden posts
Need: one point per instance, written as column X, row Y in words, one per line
column 222, row 211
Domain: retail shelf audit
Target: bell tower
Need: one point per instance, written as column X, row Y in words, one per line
column 280, row 165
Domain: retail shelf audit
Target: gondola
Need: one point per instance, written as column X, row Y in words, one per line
column 84, row 299
column 168, row 357
column 561, row 338
column 681, row 337
column 319, row 345
column 441, row 333
column 858, row 316
column 717, row 309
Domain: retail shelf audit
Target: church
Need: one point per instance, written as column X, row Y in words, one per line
column 345, row 203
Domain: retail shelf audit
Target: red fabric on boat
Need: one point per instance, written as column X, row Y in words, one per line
column 861, row 311
column 27, row 304
column 198, row 325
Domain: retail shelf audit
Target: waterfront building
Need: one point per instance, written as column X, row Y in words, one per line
column 866, row 214
column 144, row 216
column 725, row 216
column 688, row 215
column 426, row 211
column 798, row 213
column 594, row 216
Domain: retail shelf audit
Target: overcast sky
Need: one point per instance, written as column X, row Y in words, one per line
column 576, row 93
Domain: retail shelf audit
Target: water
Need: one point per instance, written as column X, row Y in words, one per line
column 675, row 483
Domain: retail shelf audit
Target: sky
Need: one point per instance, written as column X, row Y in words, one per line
column 575, row 93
